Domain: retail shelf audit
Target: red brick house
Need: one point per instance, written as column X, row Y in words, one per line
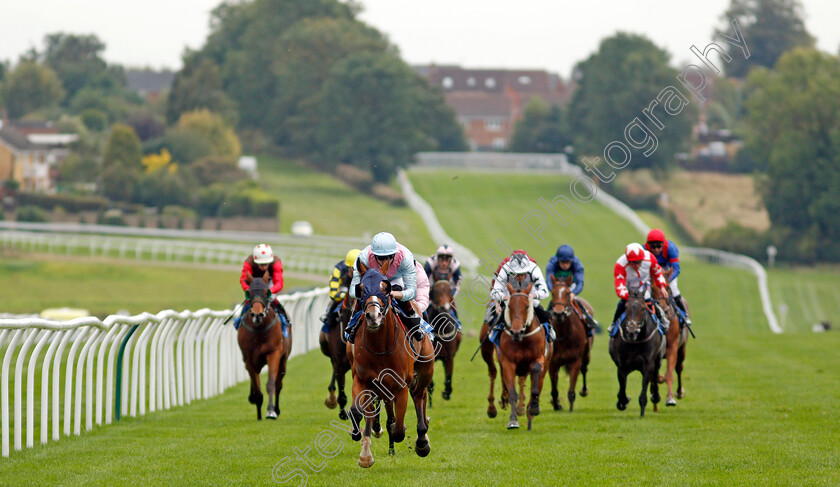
column 489, row 101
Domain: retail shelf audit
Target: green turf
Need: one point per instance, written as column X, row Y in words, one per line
column 333, row 208
column 105, row 287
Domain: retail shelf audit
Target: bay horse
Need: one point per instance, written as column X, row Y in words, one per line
column 261, row 341
column 637, row 345
column 387, row 363
column 676, row 340
column 333, row 346
column 445, row 330
column 523, row 351
column 571, row 347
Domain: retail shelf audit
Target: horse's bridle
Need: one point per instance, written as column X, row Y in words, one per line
column 639, row 325
column 262, row 315
column 384, row 309
column 508, row 324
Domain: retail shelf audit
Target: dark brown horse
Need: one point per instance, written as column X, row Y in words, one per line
column 571, row 347
column 523, row 351
column 388, row 364
column 676, row 339
column 447, row 335
column 637, row 345
column 333, row 346
column 262, row 342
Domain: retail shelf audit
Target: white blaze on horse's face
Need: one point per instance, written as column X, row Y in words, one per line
column 373, row 312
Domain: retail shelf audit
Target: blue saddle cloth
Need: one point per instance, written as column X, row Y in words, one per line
column 620, row 320
column 284, row 322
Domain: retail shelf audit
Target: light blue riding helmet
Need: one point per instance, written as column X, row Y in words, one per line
column 383, row 243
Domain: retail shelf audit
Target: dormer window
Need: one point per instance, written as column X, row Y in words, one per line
column 447, row 83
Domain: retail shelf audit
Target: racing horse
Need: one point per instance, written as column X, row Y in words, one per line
column 261, row 341
column 676, row 340
column 333, row 346
column 571, row 347
column 446, row 332
column 523, row 351
column 637, row 345
column 387, row 363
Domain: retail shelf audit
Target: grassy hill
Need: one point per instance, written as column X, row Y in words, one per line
column 334, row 208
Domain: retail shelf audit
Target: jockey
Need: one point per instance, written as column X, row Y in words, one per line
column 444, row 265
column 339, row 283
column 564, row 264
column 397, row 264
column 668, row 256
column 263, row 260
column 519, row 269
column 634, row 270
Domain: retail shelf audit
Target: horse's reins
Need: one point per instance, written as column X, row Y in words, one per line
column 655, row 329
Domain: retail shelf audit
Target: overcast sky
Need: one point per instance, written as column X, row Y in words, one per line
column 537, row 34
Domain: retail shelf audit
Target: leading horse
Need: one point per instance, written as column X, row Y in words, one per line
column 446, row 331
column 637, row 345
column 387, row 363
column 523, row 351
column 571, row 347
column 676, row 340
column 261, row 341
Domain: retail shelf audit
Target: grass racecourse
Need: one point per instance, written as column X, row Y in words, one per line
column 760, row 408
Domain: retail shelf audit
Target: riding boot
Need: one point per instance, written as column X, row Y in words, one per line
column 619, row 309
column 681, row 305
column 414, row 327
column 352, row 326
column 663, row 318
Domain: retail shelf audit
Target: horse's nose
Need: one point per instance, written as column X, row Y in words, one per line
column 516, row 336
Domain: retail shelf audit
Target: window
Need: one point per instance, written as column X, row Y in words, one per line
column 490, row 83
column 525, row 80
column 499, row 143
column 447, row 83
column 493, row 125
column 471, row 82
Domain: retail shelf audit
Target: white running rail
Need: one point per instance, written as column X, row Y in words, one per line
column 125, row 365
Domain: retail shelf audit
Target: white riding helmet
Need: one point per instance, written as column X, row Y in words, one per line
column 445, row 250
column 519, row 264
column 263, row 254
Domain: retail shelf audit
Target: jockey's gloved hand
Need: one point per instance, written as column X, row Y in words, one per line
column 340, row 295
column 247, row 294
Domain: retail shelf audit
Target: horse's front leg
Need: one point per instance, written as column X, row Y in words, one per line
column 273, row 360
column 389, row 425
column 281, row 372
column 331, row 401
column 623, row 400
column 448, row 368
column 400, row 405
column 672, row 345
column 256, row 396
column 339, row 373
column 487, row 352
column 365, row 456
column 574, row 370
column 421, row 446
column 537, row 369
column 679, row 368
column 553, row 370
column 509, row 383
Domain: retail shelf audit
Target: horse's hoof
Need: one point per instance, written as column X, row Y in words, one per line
column 621, row 405
column 356, row 435
column 342, row 415
column 423, row 450
column 491, row 412
column 378, row 432
column 446, row 395
column 330, row 402
column 680, row 394
column 520, row 410
column 391, row 451
column 670, row 401
column 534, row 409
column 661, row 379
column 584, row 392
column 556, row 405
column 643, row 412
column 271, row 415
column 512, row 425
column 366, row 462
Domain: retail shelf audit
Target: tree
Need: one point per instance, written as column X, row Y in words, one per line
column 793, row 123
column 77, row 62
column 30, row 87
column 221, row 138
column 770, row 27
column 123, row 149
column 197, row 86
column 543, row 128
column 614, row 85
